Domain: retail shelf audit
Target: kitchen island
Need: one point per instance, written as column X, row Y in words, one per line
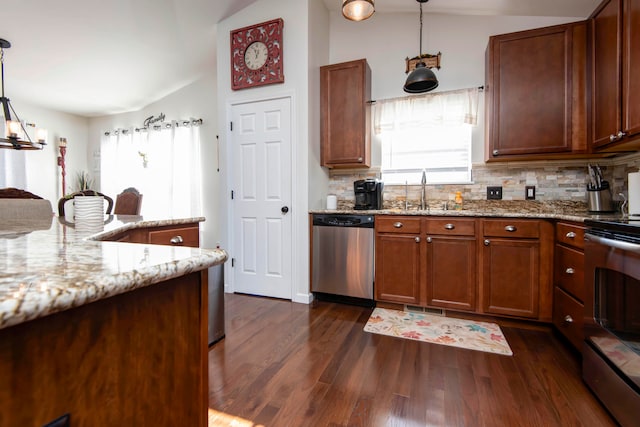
column 110, row 333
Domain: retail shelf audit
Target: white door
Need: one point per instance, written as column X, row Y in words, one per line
column 262, row 226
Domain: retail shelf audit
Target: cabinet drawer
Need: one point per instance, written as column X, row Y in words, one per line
column 186, row 236
column 451, row 226
column 569, row 272
column 398, row 224
column 511, row 228
column 568, row 316
column 570, row 234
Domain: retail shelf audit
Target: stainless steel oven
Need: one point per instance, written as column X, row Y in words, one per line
column 611, row 352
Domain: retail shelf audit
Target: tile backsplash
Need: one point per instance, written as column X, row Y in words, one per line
column 553, row 180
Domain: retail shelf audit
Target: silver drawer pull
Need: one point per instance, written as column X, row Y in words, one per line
column 569, row 270
column 510, row 228
column 429, row 239
column 417, row 239
column 397, row 224
column 568, row 319
column 176, row 240
column 487, row 242
column 449, row 226
column 571, row 235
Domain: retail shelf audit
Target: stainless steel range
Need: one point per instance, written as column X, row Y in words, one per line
column 611, row 352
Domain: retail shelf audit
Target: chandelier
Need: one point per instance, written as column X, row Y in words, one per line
column 16, row 135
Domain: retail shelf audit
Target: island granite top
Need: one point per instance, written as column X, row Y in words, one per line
column 50, row 266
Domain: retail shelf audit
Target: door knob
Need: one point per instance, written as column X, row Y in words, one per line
column 284, row 209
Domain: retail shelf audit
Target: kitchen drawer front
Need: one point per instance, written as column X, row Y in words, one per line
column 570, row 235
column 568, row 317
column 398, row 224
column 186, row 236
column 569, row 272
column 451, row 226
column 511, row 228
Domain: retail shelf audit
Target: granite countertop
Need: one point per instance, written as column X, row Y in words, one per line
column 48, row 267
column 561, row 210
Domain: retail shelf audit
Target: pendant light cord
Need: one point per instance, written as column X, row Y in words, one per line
column 420, row 53
column 2, row 65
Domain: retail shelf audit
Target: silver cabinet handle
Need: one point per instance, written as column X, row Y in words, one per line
column 568, row 319
column 429, row 239
column 360, row 159
column 417, row 239
column 620, row 134
column 510, row 228
column 495, row 152
column 176, row 240
column 612, row 137
column 449, row 226
column 397, row 224
column 569, row 270
column 571, row 235
column 486, row 242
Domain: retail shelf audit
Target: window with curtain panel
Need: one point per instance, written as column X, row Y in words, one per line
column 162, row 163
column 430, row 132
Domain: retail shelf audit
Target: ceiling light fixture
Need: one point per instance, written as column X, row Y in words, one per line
column 16, row 135
column 421, row 79
column 357, row 10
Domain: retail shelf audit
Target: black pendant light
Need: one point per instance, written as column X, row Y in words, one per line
column 421, row 79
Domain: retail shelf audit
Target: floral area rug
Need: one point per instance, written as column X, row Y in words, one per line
column 472, row 335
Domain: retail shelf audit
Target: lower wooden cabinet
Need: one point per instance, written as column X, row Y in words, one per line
column 397, row 263
column 440, row 262
column 172, row 235
column 568, row 315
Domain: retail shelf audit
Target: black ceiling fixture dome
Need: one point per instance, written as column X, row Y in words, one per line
column 421, row 79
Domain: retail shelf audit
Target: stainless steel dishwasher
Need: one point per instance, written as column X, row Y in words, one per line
column 342, row 258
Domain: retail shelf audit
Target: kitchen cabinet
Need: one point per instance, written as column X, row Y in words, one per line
column 569, row 291
column 615, row 88
column 397, row 259
column 345, row 115
column 174, row 235
column 451, row 263
column 535, row 94
column 517, row 264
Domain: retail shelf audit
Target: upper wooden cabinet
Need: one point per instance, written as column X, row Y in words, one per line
column 345, row 95
column 535, row 93
column 615, row 89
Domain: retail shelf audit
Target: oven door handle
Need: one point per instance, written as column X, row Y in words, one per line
column 617, row 244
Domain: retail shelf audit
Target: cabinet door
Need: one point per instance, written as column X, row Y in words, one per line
column 397, row 277
column 451, row 272
column 630, row 67
column 345, row 92
column 536, row 101
column 511, row 271
column 606, row 72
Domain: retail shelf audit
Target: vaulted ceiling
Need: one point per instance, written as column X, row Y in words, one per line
column 96, row 57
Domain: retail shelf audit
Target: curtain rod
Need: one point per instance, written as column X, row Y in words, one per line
column 168, row 125
column 373, row 101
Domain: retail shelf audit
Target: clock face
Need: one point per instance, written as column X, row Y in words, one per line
column 256, row 55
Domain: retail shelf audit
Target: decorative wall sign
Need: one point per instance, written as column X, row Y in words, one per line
column 256, row 55
column 153, row 119
column 431, row 61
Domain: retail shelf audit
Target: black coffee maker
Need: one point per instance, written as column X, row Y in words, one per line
column 368, row 194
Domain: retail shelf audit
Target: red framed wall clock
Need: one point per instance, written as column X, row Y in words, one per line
column 256, row 55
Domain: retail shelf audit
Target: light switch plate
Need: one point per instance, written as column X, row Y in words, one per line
column 530, row 192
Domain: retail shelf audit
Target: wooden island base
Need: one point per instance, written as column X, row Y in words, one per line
column 135, row 359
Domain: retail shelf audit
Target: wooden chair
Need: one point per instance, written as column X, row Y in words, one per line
column 16, row 193
column 129, row 202
column 65, row 199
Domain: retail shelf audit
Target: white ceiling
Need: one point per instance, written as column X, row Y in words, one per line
column 96, row 57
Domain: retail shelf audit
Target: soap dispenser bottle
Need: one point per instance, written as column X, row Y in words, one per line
column 458, row 201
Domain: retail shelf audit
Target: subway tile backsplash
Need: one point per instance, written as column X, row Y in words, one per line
column 553, row 180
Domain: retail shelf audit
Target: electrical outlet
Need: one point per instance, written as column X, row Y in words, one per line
column 530, row 192
column 494, row 193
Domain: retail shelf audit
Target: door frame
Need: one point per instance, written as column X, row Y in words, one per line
column 294, row 238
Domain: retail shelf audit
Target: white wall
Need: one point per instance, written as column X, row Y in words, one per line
column 43, row 173
column 296, row 72
column 198, row 100
column 385, row 40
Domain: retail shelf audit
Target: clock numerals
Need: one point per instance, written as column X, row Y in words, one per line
column 256, row 55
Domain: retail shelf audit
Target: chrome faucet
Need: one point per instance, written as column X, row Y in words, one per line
column 423, row 193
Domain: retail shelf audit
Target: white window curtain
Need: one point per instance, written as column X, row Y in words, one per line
column 164, row 165
column 429, row 132
column 13, row 169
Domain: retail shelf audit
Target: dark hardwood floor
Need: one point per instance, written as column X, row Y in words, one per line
column 287, row 364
